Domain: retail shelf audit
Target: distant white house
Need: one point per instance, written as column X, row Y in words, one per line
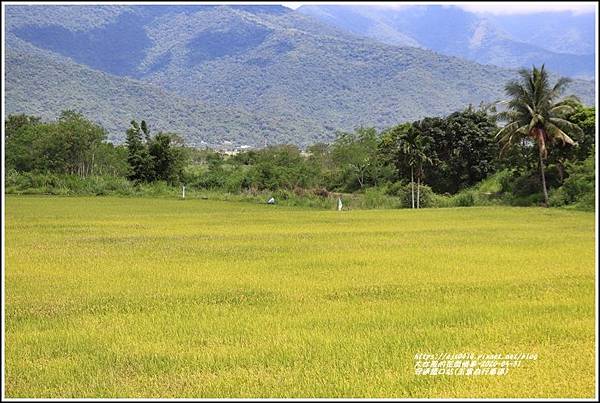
column 227, row 148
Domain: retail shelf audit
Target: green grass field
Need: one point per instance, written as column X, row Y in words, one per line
column 124, row 297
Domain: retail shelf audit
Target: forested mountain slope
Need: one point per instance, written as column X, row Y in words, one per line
column 247, row 74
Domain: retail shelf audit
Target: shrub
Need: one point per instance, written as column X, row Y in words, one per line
column 282, row 194
column 321, row 192
column 444, row 200
column 464, row 199
column 534, row 199
column 586, row 202
column 55, row 184
column 404, row 193
column 237, row 181
column 373, row 198
column 523, row 186
column 579, row 187
column 396, row 189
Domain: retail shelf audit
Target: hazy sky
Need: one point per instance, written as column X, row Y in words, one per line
column 485, row 7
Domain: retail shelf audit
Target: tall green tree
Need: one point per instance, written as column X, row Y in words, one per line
column 81, row 140
column 408, row 146
column 534, row 112
column 418, row 146
column 414, row 149
column 357, row 156
column 167, row 158
column 463, row 149
column 138, row 156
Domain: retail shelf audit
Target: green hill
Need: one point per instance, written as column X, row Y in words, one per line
column 44, row 84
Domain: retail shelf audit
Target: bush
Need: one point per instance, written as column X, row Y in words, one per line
column 282, row 194
column 578, row 188
column 404, row 193
column 464, row 199
column 535, row 199
column 444, row 200
column 237, row 181
column 495, row 184
column 321, row 192
column 373, row 198
column 159, row 188
column 557, row 198
column 65, row 185
column 586, row 202
column 523, row 186
column 396, row 189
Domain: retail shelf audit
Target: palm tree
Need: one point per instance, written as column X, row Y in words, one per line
column 422, row 159
column 533, row 112
column 413, row 148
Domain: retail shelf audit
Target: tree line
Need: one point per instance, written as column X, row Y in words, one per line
column 535, row 141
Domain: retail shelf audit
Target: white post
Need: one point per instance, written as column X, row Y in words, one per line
column 183, row 192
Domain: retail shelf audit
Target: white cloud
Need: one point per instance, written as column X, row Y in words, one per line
column 517, row 7
column 528, row 7
column 292, row 4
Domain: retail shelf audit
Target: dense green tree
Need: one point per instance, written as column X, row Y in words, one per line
column 534, row 112
column 138, row 156
column 111, row 160
column 245, row 158
column 389, row 145
column 461, row 147
column 80, row 140
column 320, row 154
column 284, row 167
column 464, row 150
column 320, row 159
column 167, row 159
column 358, row 160
column 154, row 158
column 71, row 145
column 584, row 117
column 14, row 123
column 580, row 185
column 561, row 154
column 25, row 148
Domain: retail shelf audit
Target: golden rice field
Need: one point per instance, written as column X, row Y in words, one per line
column 124, row 297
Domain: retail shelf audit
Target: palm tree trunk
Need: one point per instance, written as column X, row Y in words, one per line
column 418, row 192
column 412, row 187
column 543, row 179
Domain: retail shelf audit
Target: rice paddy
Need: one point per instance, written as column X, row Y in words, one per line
column 125, row 297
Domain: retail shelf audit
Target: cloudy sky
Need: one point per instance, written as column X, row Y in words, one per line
column 485, row 7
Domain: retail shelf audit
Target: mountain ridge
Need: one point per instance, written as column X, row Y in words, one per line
column 454, row 33
column 264, row 75
column 109, row 107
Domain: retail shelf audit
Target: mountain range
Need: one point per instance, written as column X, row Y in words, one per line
column 246, row 74
column 565, row 42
